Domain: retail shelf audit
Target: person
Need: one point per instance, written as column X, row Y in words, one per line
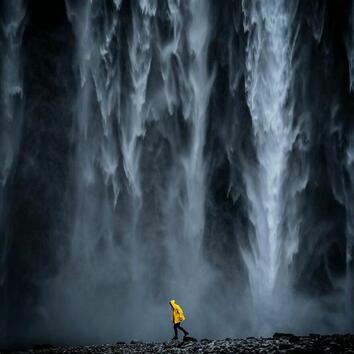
column 177, row 318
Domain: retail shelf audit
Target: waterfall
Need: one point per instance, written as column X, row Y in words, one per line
column 92, row 256
column 185, row 65
column 268, row 77
column 140, row 53
column 188, row 149
column 114, row 119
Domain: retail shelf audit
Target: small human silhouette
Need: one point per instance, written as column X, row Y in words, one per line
column 177, row 318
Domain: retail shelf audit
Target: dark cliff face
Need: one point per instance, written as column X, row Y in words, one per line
column 35, row 203
column 140, row 170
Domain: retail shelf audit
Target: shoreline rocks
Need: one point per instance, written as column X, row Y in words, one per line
column 279, row 343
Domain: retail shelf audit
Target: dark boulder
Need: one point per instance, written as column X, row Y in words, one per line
column 189, row 339
column 279, row 335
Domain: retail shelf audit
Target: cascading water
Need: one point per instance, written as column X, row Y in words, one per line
column 186, row 191
column 268, row 77
column 97, row 160
column 196, row 150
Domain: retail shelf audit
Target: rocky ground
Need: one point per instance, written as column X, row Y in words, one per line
column 279, row 343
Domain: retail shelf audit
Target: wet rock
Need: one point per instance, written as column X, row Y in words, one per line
column 189, row 339
column 135, row 342
column 278, row 335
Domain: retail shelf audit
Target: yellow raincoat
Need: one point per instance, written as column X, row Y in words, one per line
column 177, row 313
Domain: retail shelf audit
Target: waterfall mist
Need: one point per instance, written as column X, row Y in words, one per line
column 196, row 150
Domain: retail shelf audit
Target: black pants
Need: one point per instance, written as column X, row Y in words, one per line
column 178, row 326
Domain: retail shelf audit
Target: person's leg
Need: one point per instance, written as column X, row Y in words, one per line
column 178, row 325
column 175, row 329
